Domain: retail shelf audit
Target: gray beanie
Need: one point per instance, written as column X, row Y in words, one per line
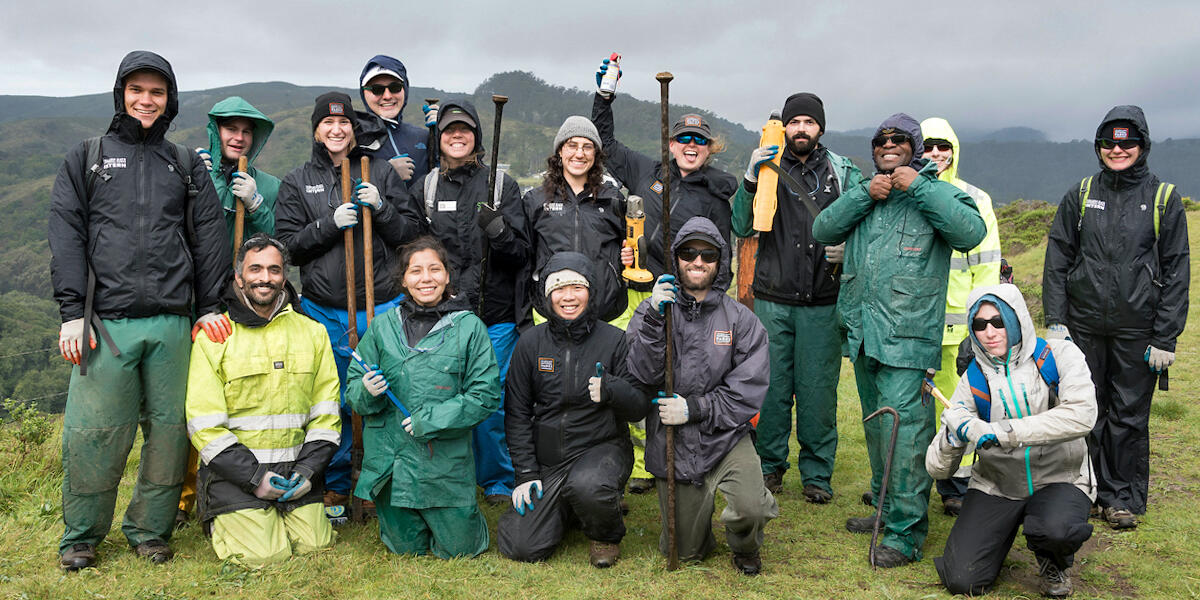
column 577, row 126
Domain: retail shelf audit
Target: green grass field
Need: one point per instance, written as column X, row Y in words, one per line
column 808, row 553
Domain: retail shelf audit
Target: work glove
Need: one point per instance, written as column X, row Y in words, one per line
column 594, row 383
column 880, row 187
column 205, row 156
column 757, row 158
column 345, row 215
column 403, row 165
column 522, row 496
column 367, row 195
column 951, row 437
column 374, row 381
column 246, row 190
column 1058, row 331
column 70, row 340
column 672, row 410
column 968, row 428
column 664, row 293
column 1158, row 360
column 272, row 486
column 299, row 486
column 431, row 114
column 602, row 71
column 216, row 326
column 489, row 220
column 407, row 425
column 836, row 254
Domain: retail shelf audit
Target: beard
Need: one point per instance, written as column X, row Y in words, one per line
column 704, row 283
column 802, row 145
column 254, row 298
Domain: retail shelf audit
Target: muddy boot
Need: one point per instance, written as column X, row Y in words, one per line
column 155, row 551
column 1054, row 582
column 952, row 506
column 861, row 524
column 1120, row 518
column 79, row 556
column 641, row 485
column 747, row 564
column 603, row 555
column 773, row 482
column 887, row 557
column 816, row 495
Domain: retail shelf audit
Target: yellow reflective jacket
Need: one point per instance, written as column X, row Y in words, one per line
column 981, row 265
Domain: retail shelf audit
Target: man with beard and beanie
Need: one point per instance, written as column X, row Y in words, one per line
column 464, row 215
column 900, row 228
column 383, row 86
column 138, row 248
column 570, row 400
column 974, row 268
column 721, row 373
column 262, row 410
column 795, row 297
column 1116, row 283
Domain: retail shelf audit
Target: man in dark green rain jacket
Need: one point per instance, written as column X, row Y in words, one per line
column 236, row 129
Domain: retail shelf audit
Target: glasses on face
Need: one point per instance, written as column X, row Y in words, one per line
column 586, row 147
column 895, row 138
column 688, row 138
column 378, row 88
column 944, row 147
column 981, row 324
column 708, row 255
column 1125, row 144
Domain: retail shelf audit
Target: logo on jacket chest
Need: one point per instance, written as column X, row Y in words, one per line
column 553, row 206
column 545, row 365
column 723, row 338
column 656, row 187
column 315, row 189
column 1096, row 204
column 117, row 162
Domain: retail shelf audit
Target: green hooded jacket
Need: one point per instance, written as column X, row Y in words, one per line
column 263, row 218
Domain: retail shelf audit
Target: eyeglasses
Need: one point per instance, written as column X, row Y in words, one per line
column 895, row 138
column 708, row 255
column 688, row 138
column 377, row 88
column 1125, row 144
column 944, row 147
column 981, row 324
column 586, row 147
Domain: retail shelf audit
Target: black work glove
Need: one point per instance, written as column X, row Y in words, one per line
column 489, row 220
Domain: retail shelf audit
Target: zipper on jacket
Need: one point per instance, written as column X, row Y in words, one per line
column 140, row 209
column 570, row 385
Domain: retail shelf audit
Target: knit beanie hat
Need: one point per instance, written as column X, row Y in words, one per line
column 577, row 126
column 564, row 278
column 333, row 104
column 804, row 103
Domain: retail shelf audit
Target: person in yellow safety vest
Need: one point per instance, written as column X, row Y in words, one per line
column 968, row 270
column 263, row 411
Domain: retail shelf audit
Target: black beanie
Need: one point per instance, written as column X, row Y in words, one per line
column 804, row 103
column 1122, row 129
column 334, row 104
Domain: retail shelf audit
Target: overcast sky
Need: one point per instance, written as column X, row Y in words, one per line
column 1054, row 66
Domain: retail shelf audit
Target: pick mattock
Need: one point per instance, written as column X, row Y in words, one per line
column 499, row 101
column 431, row 142
column 887, row 474
column 239, row 215
column 664, row 81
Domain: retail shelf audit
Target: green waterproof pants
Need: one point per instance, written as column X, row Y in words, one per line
column 806, row 361
column 445, row 532
column 145, row 386
column 906, row 508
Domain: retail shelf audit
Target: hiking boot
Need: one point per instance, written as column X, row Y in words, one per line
column 1096, row 512
column 887, row 557
column 1120, row 518
column 860, row 524
column 79, row 556
column 156, row 551
column 624, row 508
column 641, row 485
column 748, row 563
column 952, row 506
column 603, row 555
column 182, row 519
column 868, row 498
column 333, row 498
column 1054, row 581
column 773, row 482
column 816, row 495
column 498, row 499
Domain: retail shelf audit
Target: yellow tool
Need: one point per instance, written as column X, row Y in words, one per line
column 765, row 201
column 635, row 230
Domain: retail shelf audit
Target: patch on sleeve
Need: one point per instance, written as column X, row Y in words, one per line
column 545, row 365
column 723, row 338
column 656, row 187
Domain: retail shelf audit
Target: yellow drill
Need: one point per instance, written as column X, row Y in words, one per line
column 635, row 237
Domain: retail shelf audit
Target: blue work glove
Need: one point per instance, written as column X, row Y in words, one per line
column 664, row 293
column 604, row 70
column 205, row 156
column 594, row 383
column 757, row 158
column 367, row 195
column 522, row 496
column 431, row 114
column 271, row 486
column 1158, row 360
column 345, row 215
column 300, row 485
column 672, row 410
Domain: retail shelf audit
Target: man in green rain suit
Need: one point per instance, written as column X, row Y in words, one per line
column 237, row 129
column 899, row 229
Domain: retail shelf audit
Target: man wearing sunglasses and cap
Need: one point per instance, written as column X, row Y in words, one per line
column 383, row 85
column 1116, row 283
column 900, row 228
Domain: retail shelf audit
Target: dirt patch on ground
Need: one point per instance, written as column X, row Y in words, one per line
column 1020, row 569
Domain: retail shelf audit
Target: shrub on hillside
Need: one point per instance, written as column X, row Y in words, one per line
column 1024, row 224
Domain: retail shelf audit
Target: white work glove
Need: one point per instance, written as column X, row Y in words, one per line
column 672, row 410
column 403, row 165
column 374, row 381
column 272, row 486
column 206, row 157
column 836, row 254
column 967, row 427
column 431, row 114
column 300, row 485
column 522, row 496
column 246, row 190
column 951, row 437
column 345, row 215
column 366, row 194
column 407, row 425
column 664, row 293
column 757, row 158
column 594, row 384
column 1158, row 360
column 216, row 326
column 1058, row 331
column 70, row 340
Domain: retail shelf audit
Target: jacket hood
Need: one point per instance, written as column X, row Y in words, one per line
column 1010, row 295
column 235, row 106
column 469, row 108
column 1127, row 112
column 582, row 265
column 937, row 128
column 391, row 64
column 705, row 228
column 910, row 126
column 145, row 60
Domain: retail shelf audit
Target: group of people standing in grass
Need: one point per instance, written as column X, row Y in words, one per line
column 505, row 350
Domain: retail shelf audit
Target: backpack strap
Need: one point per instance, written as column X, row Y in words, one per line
column 980, row 390
column 93, row 167
column 1160, row 204
column 1085, row 189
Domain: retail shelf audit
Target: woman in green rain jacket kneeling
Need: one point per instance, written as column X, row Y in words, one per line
column 431, row 377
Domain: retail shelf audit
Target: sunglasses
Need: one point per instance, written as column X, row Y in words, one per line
column 1125, row 144
column 707, row 255
column 377, row 88
column 981, row 324
column 946, row 147
column 688, row 138
column 895, row 138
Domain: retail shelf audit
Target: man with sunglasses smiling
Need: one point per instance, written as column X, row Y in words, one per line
column 1116, row 283
column 899, row 231
column 383, row 85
